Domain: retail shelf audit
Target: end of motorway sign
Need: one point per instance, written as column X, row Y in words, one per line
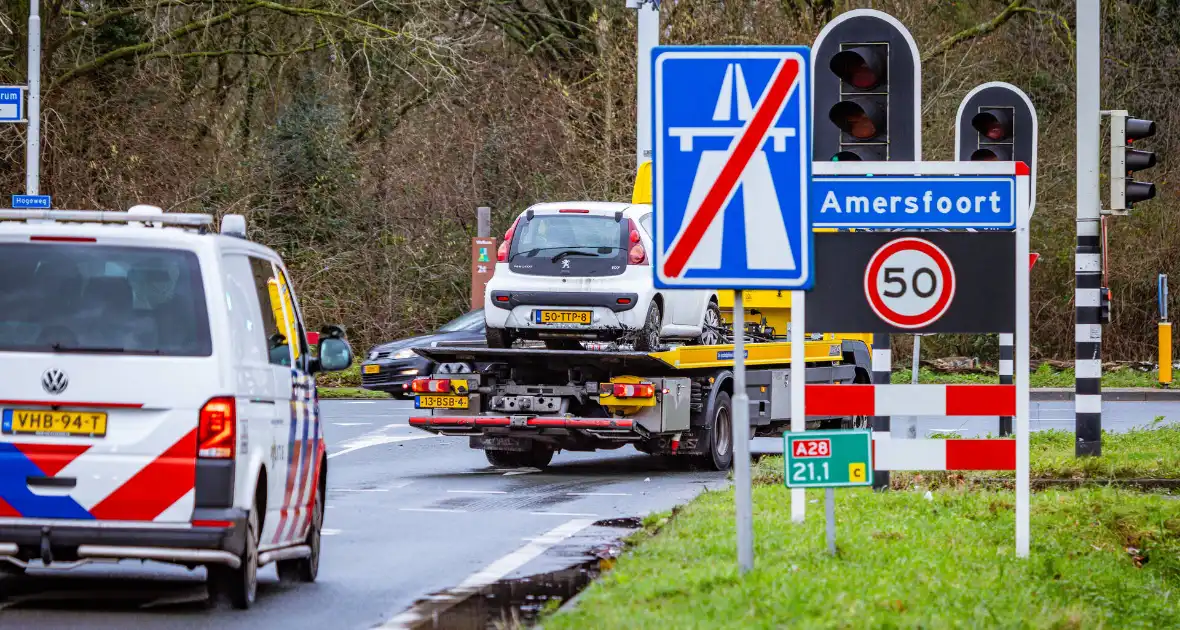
column 828, row 459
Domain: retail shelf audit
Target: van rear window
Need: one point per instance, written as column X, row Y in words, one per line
column 66, row 297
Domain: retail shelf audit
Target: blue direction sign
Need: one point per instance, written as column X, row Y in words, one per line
column 31, row 202
column 914, row 202
column 12, row 103
column 731, row 164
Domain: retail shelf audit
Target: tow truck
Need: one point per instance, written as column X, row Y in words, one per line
column 521, row 405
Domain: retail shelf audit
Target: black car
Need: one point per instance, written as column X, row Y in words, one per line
column 390, row 367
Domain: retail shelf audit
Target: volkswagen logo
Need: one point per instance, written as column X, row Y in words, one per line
column 54, row 381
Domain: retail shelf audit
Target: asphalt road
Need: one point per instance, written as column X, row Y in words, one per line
column 408, row 514
column 411, row 514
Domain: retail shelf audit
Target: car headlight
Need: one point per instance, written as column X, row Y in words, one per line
column 404, row 354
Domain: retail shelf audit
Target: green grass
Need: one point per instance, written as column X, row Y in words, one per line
column 1152, row 453
column 349, row 392
column 350, row 377
column 1101, row 558
column 1043, row 376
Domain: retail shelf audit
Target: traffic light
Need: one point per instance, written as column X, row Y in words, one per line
column 866, row 90
column 1104, row 306
column 1125, row 192
column 997, row 123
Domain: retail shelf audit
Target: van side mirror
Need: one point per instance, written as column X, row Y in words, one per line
column 334, row 352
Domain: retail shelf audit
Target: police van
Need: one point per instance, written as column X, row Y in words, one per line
column 157, row 398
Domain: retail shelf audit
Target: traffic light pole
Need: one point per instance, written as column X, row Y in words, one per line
column 1088, row 258
column 648, row 38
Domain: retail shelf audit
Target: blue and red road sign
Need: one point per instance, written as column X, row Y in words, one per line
column 732, row 167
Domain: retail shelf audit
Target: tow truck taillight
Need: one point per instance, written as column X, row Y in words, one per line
column 502, row 250
column 217, row 428
column 637, row 255
column 431, row 386
column 633, row 390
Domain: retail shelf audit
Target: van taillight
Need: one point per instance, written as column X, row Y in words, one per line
column 216, row 429
column 502, row 250
column 637, row 255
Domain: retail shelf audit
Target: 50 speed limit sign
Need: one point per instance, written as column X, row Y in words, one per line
column 909, row 282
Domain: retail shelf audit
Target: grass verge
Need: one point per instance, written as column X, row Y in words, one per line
column 349, row 392
column 1152, row 453
column 1101, row 558
column 1043, row 376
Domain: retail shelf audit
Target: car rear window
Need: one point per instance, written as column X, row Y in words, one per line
column 59, row 297
column 569, row 243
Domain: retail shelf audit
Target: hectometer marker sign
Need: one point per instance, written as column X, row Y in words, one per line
column 828, row 459
column 731, row 167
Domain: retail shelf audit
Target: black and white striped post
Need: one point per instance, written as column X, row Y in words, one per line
column 1088, row 256
column 1006, row 355
column 882, row 367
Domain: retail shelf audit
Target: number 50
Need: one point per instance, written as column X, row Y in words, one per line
column 896, row 276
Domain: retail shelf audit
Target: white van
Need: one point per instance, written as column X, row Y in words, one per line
column 157, row 398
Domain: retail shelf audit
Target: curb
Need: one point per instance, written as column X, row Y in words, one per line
column 1110, row 394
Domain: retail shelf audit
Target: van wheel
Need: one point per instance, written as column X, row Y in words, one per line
column 719, row 435
column 498, row 338
column 307, row 569
column 648, row 337
column 502, row 459
column 240, row 585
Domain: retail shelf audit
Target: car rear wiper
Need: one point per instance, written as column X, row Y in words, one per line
column 57, row 347
column 573, row 252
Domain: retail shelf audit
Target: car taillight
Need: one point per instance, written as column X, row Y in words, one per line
column 502, row 250
column 637, row 255
column 431, row 385
column 633, row 390
column 217, row 429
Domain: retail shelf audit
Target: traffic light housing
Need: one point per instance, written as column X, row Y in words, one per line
column 1104, row 306
column 997, row 123
column 866, row 90
column 1125, row 192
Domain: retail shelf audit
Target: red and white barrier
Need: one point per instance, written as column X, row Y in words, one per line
column 911, row 400
column 889, row 454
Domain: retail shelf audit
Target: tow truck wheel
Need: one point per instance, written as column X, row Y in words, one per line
column 539, row 457
column 239, row 585
column 719, row 435
column 648, row 337
column 502, row 459
column 498, row 337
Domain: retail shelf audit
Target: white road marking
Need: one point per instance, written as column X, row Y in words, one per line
column 351, row 424
column 598, row 494
column 583, row 514
column 439, row 510
column 500, row 568
column 359, row 490
column 376, row 439
column 522, row 471
column 478, row 491
column 329, row 532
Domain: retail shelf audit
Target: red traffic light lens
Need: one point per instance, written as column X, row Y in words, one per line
column 993, row 124
column 859, row 118
column 863, row 67
column 992, row 154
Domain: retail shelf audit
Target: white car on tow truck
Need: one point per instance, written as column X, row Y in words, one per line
column 157, row 400
column 574, row 271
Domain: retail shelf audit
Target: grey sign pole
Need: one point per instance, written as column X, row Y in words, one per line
column 483, row 218
column 33, row 145
column 741, row 440
column 830, row 518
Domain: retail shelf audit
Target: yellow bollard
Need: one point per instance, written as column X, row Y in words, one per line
column 1165, row 329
